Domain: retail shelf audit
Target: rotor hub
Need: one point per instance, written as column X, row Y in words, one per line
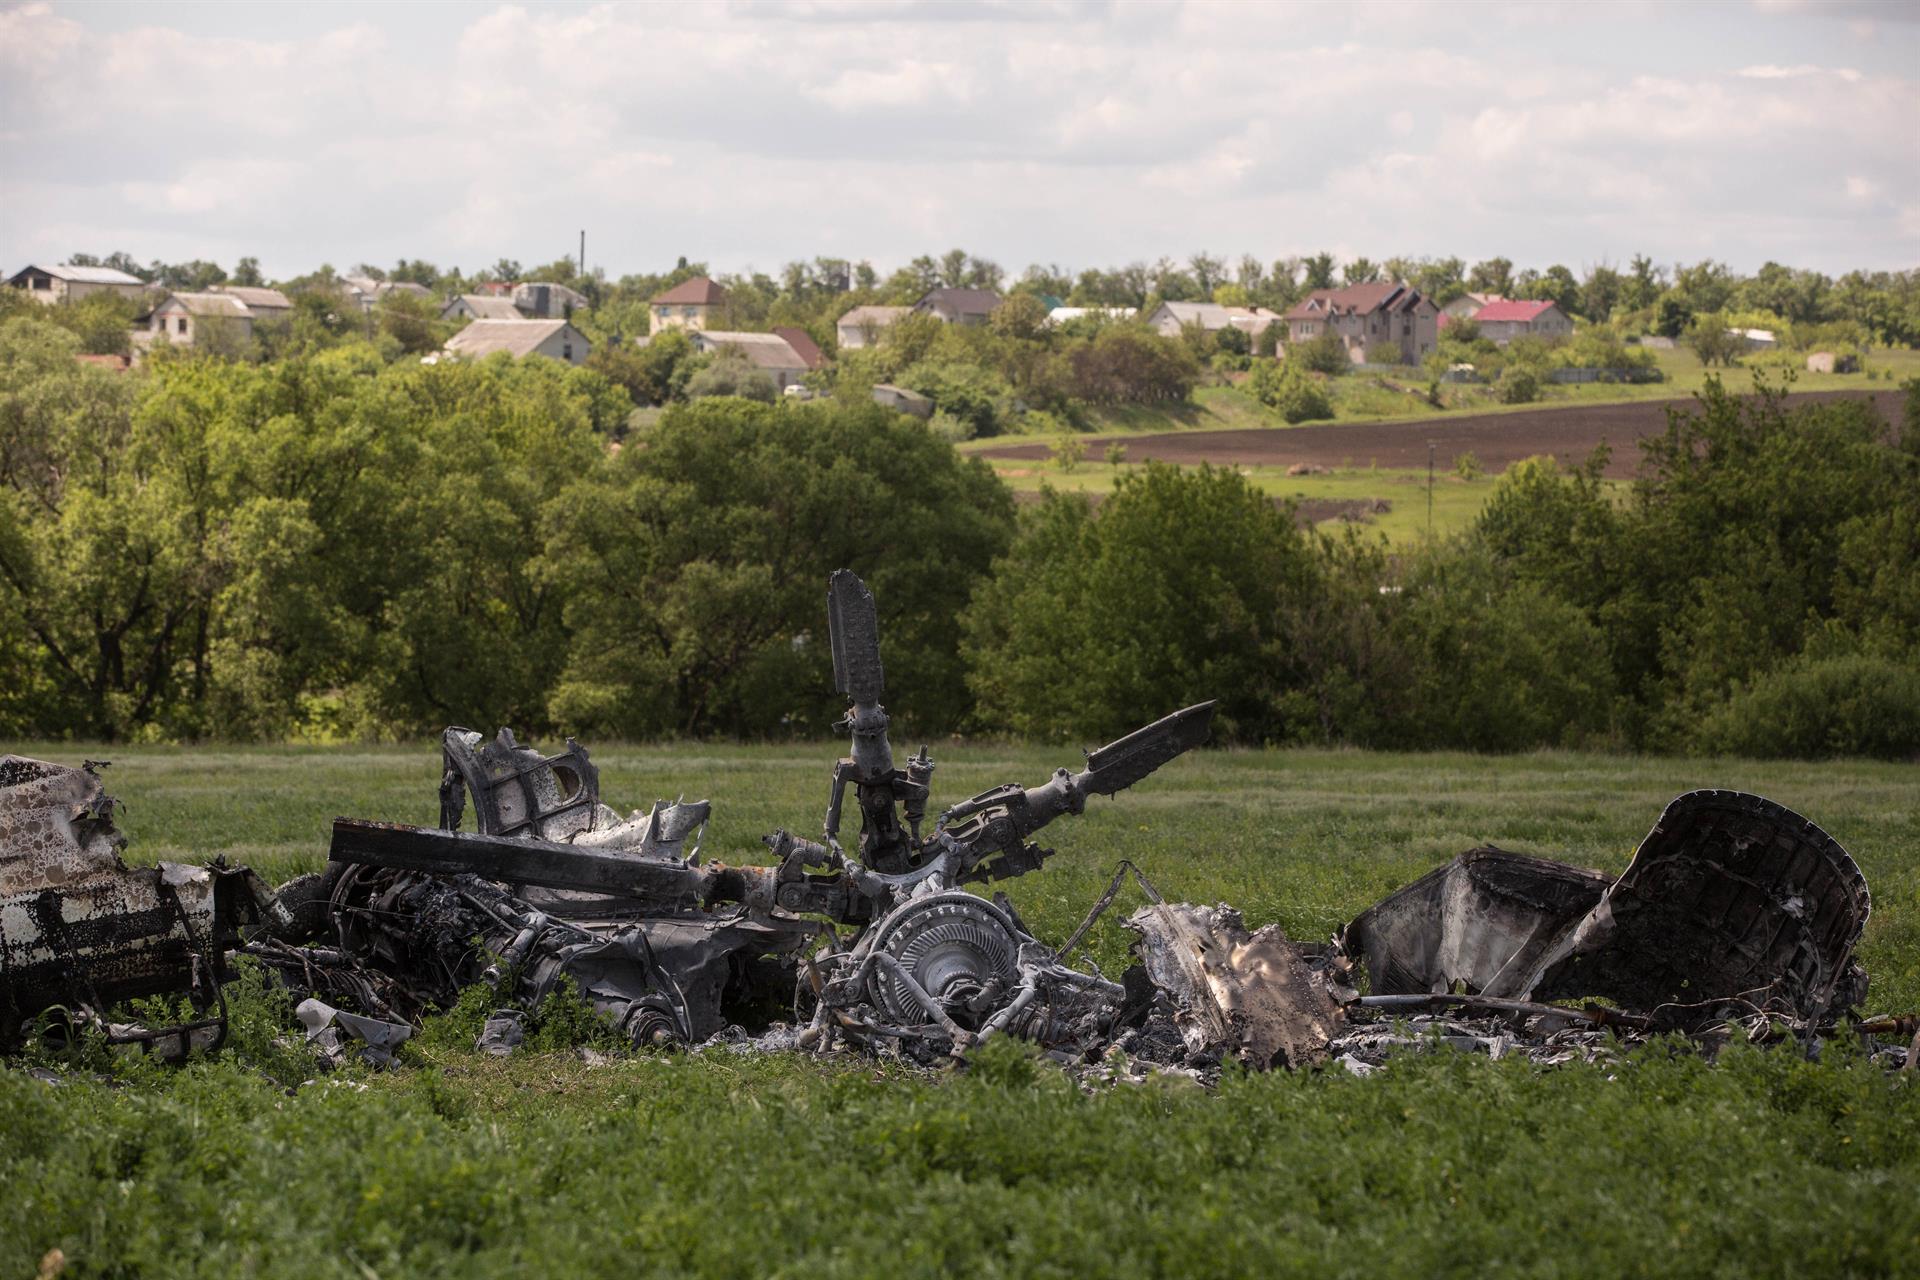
column 955, row 945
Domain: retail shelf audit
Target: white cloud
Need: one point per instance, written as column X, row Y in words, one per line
column 753, row 133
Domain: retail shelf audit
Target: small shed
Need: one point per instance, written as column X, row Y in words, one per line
column 905, row 401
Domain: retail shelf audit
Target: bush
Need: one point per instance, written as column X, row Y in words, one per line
column 1386, row 352
column 1287, row 388
column 1501, row 665
column 1847, row 705
column 1324, row 353
column 732, row 374
column 1519, row 385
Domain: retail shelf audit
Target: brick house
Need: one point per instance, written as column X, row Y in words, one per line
column 692, row 304
column 1367, row 315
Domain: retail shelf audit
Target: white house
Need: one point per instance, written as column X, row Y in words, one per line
column 862, row 326
column 196, row 320
column 555, row 339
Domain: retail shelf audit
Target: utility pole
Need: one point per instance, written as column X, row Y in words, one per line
column 1429, row 490
column 583, row 253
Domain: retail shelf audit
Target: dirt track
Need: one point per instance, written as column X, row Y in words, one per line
column 1496, row 439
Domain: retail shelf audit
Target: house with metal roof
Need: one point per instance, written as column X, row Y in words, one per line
column 1169, row 318
column 862, row 326
column 266, row 305
column 555, row 339
column 768, row 352
column 1502, row 321
column 219, row 321
column 691, row 304
column 1368, row 316
column 68, row 283
column 959, row 306
column 481, row 306
column 540, row 300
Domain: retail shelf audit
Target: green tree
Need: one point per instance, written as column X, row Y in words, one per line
column 1173, row 593
column 694, row 568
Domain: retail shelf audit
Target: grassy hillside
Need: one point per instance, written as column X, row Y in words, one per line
column 722, row 1165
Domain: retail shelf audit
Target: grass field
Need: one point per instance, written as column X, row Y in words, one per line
column 1765, row 1164
column 1367, row 397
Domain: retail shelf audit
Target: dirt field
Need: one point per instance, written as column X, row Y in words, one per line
column 1496, row 439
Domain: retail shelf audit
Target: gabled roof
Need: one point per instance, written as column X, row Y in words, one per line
column 764, row 350
column 81, row 275
column 256, row 297
column 1214, row 315
column 1356, row 299
column 964, row 302
column 697, row 292
column 484, row 307
column 515, row 337
column 878, row 317
column 209, row 304
column 802, row 343
column 1511, row 310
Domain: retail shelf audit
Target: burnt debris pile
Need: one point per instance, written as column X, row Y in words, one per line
column 1736, row 917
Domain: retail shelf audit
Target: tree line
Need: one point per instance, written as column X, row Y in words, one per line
column 334, row 547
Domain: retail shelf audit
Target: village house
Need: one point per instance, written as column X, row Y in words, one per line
column 555, row 339
column 862, row 326
column 913, row 403
column 692, row 304
column 268, row 306
column 959, row 306
column 480, row 306
column 803, row 345
column 1367, row 317
column 1503, row 321
column 196, row 320
column 768, row 352
column 543, row 301
column 68, row 283
column 1169, row 318
column 1467, row 305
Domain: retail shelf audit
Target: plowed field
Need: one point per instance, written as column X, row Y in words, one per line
column 1498, row 440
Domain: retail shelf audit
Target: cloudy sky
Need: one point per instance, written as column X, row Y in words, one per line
column 750, row 133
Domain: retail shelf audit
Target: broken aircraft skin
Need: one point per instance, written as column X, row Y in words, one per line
column 81, row 932
column 1736, row 916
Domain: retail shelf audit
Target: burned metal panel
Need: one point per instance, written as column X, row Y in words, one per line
column 1730, row 898
column 1483, row 922
column 78, row 927
column 517, row 790
column 1249, row 995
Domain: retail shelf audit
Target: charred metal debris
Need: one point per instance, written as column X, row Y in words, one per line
column 1736, row 917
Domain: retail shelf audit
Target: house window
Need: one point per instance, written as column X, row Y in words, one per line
column 180, row 324
column 40, row 282
column 662, row 312
column 691, row 313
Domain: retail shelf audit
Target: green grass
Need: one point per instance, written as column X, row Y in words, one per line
column 1765, row 1164
column 1456, row 500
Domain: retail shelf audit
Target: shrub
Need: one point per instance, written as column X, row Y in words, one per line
column 1519, row 385
column 732, row 374
column 1846, row 705
column 1284, row 386
column 1325, row 353
column 1386, row 352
